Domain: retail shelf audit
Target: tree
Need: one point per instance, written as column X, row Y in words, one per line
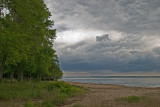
column 26, row 38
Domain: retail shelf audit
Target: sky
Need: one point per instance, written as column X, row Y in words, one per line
column 128, row 32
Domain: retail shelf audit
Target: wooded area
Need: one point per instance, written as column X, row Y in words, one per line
column 26, row 41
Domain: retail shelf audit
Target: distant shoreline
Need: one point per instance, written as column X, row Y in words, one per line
column 137, row 81
column 99, row 84
column 111, row 76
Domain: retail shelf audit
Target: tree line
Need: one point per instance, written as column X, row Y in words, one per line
column 26, row 41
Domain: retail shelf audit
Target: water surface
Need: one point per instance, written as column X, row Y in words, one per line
column 140, row 81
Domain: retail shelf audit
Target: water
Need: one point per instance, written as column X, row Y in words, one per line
column 139, row 81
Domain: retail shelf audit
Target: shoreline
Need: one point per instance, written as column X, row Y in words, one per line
column 95, row 85
column 106, row 95
column 112, row 84
column 131, row 82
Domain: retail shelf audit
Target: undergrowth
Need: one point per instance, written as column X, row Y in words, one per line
column 49, row 94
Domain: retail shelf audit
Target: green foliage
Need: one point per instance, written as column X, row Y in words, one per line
column 54, row 93
column 27, row 36
column 132, row 99
column 63, row 88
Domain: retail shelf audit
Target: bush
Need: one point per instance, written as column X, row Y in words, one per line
column 63, row 88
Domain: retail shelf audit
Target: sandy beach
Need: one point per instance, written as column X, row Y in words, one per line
column 100, row 95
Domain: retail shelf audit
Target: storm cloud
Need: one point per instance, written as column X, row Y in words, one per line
column 132, row 28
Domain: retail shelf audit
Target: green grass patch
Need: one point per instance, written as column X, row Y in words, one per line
column 76, row 105
column 48, row 103
column 132, row 99
column 49, row 93
column 29, row 104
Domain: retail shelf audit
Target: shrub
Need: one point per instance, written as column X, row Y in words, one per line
column 63, row 88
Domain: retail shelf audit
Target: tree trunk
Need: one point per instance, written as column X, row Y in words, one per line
column 30, row 79
column 12, row 73
column 20, row 72
column 2, row 67
column 21, row 76
column 11, row 76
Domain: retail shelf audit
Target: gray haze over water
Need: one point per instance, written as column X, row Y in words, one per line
column 138, row 81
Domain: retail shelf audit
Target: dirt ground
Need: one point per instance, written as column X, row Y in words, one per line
column 99, row 95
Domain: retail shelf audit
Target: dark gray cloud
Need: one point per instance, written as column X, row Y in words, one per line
column 133, row 41
column 130, row 54
column 104, row 37
column 131, row 16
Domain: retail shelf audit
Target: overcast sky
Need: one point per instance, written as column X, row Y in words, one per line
column 131, row 47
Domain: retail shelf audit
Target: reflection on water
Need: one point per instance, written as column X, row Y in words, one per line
column 150, row 81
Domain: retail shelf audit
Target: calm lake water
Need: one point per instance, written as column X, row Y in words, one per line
column 139, row 81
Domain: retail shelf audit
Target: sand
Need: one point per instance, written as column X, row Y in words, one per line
column 99, row 95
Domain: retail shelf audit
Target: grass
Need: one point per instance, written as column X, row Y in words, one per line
column 53, row 94
column 132, row 99
column 139, row 101
column 98, row 100
column 29, row 104
column 38, row 94
column 76, row 105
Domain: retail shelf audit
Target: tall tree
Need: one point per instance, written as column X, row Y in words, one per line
column 26, row 37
